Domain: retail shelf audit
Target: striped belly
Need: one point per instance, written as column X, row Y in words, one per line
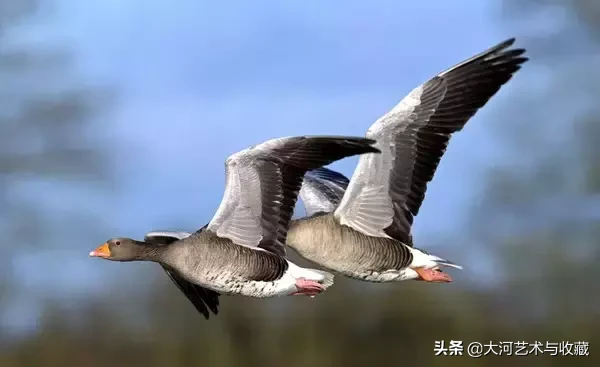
column 322, row 240
column 384, row 276
column 231, row 269
column 231, row 283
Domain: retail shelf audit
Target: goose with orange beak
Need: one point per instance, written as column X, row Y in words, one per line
column 321, row 191
column 242, row 249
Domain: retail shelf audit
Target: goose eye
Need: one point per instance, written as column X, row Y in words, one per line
column 118, row 243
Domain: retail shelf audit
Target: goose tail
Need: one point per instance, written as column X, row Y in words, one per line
column 324, row 278
column 327, row 278
column 445, row 262
column 423, row 259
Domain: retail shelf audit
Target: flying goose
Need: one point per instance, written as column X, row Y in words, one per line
column 241, row 250
column 369, row 236
column 321, row 191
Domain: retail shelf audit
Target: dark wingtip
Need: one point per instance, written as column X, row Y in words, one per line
column 204, row 313
column 374, row 150
column 502, row 46
column 211, row 299
column 368, row 144
column 507, row 42
column 369, row 141
column 363, row 145
column 202, row 299
column 500, row 53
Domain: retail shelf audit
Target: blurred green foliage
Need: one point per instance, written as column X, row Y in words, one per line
column 45, row 116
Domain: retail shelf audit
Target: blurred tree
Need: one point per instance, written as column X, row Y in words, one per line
column 45, row 116
column 540, row 212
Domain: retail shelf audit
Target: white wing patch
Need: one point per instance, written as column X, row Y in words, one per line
column 239, row 215
column 367, row 206
column 241, row 227
column 370, row 212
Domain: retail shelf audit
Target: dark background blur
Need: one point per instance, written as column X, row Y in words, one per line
column 116, row 118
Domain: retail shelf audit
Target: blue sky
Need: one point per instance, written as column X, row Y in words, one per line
column 198, row 81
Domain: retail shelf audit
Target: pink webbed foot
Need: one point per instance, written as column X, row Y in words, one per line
column 308, row 287
column 433, row 275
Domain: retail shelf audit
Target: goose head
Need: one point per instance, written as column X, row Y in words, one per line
column 125, row 249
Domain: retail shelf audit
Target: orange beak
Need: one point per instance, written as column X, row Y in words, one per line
column 102, row 251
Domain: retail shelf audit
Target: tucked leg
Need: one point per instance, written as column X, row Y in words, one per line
column 308, row 287
column 433, row 275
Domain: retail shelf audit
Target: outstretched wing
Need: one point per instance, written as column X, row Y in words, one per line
column 263, row 184
column 202, row 298
column 386, row 190
column 322, row 190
